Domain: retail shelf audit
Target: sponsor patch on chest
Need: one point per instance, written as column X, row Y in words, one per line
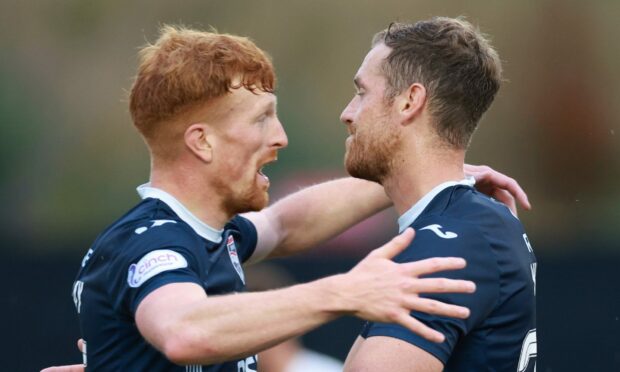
column 154, row 263
column 234, row 257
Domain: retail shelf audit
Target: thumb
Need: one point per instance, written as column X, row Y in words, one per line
column 81, row 345
column 396, row 245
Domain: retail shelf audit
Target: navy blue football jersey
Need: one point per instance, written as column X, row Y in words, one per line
column 156, row 243
column 454, row 220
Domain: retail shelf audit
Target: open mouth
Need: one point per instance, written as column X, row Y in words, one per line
column 261, row 173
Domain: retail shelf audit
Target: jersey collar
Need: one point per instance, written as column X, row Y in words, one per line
column 201, row 228
column 414, row 212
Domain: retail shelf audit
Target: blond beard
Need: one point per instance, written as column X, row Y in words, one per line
column 371, row 156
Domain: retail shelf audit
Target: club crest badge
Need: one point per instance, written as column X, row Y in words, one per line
column 234, row 257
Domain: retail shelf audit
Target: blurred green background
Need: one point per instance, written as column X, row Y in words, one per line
column 70, row 158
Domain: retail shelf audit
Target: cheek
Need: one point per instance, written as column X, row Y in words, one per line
column 358, row 111
column 235, row 165
column 368, row 111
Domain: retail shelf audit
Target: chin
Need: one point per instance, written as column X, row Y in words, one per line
column 250, row 202
column 349, row 163
column 260, row 202
column 357, row 168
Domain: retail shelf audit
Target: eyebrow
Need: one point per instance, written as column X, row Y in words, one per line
column 273, row 105
column 270, row 106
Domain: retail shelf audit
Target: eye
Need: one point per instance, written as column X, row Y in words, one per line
column 262, row 118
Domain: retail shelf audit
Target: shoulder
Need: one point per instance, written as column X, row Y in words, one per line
column 149, row 249
column 150, row 226
column 465, row 215
column 163, row 232
column 243, row 229
column 440, row 235
column 443, row 236
column 241, row 223
column 471, row 206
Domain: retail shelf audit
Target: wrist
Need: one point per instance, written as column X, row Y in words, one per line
column 331, row 296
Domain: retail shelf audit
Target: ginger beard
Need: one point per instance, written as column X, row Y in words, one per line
column 247, row 193
column 371, row 149
column 247, row 138
column 251, row 199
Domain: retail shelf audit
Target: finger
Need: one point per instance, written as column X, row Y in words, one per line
column 442, row 285
column 430, row 306
column 435, row 264
column 80, row 345
column 513, row 187
column 497, row 180
column 419, row 328
column 396, row 245
column 506, row 198
column 470, row 169
column 71, row 368
column 483, row 173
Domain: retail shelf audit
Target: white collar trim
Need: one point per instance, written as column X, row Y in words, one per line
column 414, row 212
column 201, row 228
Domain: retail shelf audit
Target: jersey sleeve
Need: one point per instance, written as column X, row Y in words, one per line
column 246, row 236
column 448, row 238
column 164, row 255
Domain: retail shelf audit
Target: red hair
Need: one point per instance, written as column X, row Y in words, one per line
column 187, row 67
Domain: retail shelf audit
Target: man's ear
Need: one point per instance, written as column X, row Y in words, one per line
column 411, row 102
column 200, row 139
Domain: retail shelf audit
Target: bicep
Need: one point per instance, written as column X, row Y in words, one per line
column 268, row 234
column 157, row 314
column 390, row 354
column 353, row 351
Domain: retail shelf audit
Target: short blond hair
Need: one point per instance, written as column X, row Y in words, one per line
column 456, row 64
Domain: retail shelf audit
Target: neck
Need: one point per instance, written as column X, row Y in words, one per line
column 418, row 174
column 191, row 191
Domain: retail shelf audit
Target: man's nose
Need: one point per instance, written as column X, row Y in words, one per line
column 280, row 139
column 346, row 116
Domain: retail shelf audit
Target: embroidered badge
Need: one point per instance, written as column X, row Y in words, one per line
column 234, row 257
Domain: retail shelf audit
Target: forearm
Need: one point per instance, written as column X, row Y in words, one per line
column 189, row 328
column 233, row 326
column 315, row 214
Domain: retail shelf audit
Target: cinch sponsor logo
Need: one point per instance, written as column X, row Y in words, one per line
column 165, row 259
column 153, row 263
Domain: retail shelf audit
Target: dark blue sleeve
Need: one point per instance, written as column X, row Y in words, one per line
column 167, row 254
column 481, row 268
column 246, row 238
